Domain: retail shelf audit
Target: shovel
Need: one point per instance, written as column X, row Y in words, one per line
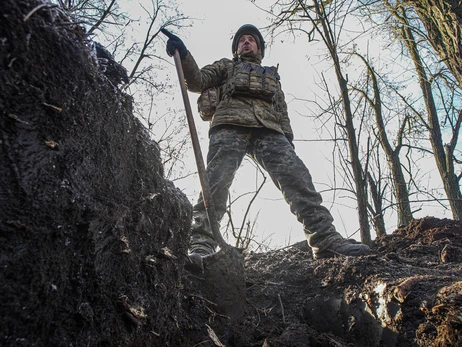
column 223, row 270
column 206, row 192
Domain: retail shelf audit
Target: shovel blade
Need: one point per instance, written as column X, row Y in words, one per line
column 222, row 281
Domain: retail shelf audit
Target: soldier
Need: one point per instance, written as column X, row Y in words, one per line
column 251, row 118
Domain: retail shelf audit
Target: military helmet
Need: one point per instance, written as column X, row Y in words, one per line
column 249, row 29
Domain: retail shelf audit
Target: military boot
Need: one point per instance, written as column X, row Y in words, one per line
column 202, row 244
column 343, row 246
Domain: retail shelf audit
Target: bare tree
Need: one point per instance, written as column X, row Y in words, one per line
column 161, row 14
column 326, row 22
column 392, row 154
column 443, row 153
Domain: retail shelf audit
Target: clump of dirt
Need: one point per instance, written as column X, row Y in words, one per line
column 93, row 238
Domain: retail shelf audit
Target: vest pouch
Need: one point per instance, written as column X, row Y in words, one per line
column 269, row 85
column 256, row 83
column 207, row 103
column 241, row 80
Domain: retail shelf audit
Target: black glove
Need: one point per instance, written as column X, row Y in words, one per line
column 290, row 137
column 174, row 42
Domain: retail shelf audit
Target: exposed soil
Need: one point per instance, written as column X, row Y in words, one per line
column 93, row 238
column 408, row 293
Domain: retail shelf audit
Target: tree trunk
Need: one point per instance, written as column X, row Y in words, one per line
column 399, row 183
column 377, row 215
column 355, row 162
column 400, row 189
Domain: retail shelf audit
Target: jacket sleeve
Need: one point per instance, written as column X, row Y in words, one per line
column 281, row 106
column 197, row 80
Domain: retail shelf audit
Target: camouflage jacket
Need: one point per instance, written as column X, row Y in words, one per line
column 242, row 110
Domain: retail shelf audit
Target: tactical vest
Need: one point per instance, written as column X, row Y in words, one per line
column 252, row 80
column 244, row 79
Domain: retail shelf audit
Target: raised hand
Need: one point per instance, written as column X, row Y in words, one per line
column 173, row 43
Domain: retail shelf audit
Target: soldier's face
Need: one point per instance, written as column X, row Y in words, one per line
column 247, row 44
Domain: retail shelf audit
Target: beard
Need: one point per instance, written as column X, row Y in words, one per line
column 249, row 55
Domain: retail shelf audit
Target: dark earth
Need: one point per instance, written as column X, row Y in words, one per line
column 93, row 238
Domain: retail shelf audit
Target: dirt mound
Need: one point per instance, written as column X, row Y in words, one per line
column 405, row 294
column 91, row 234
column 93, row 238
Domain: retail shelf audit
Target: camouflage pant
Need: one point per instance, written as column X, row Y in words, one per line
column 273, row 152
